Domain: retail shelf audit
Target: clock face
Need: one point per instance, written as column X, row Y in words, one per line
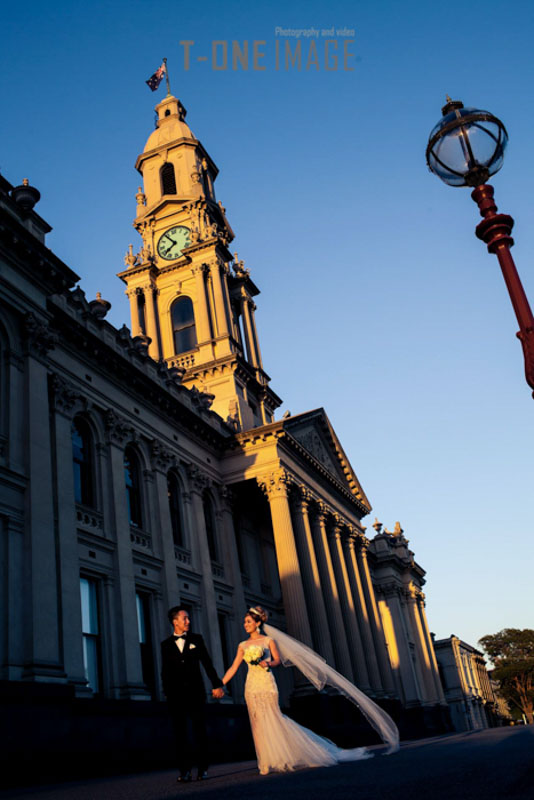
column 173, row 241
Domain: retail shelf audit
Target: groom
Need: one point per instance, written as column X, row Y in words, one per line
column 181, row 657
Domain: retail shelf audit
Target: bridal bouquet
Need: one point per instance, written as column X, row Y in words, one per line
column 253, row 655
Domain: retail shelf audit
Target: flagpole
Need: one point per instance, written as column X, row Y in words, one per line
column 167, row 77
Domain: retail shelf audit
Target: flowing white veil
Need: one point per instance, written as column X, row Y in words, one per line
column 319, row 673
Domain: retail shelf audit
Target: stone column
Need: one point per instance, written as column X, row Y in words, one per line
column 376, row 624
column 347, row 608
column 362, row 613
column 42, row 648
column 65, row 399
column 411, row 692
column 220, row 308
column 249, row 333
column 230, row 560
column 133, row 295
column 198, row 482
column 331, row 595
column 440, row 697
column 201, row 308
column 246, row 329
column 151, row 323
column 420, row 644
column 255, row 333
column 310, row 576
column 129, row 680
column 276, row 486
column 162, row 534
column 230, row 310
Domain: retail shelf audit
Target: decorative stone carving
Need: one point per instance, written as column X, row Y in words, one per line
column 203, row 400
column 198, row 479
column 311, row 440
column 39, row 336
column 140, row 198
column 130, row 259
column 99, row 307
column 141, row 344
column 226, row 494
column 276, row 483
column 390, row 589
column 377, row 526
column 117, row 427
column 233, row 417
column 63, row 394
column 239, row 268
column 124, row 336
column 160, row 456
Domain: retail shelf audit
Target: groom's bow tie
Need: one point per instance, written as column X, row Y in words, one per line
column 179, row 637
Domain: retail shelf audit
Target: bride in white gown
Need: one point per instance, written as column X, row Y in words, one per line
column 281, row 744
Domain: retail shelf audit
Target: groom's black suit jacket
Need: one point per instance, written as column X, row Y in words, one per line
column 180, row 672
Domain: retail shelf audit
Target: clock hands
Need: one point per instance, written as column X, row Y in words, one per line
column 172, row 248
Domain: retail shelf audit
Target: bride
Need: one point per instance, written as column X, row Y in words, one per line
column 281, row 744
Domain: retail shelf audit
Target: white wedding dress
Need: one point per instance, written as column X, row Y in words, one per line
column 281, row 744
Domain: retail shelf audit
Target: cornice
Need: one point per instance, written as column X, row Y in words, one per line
column 34, row 259
column 151, row 382
column 277, row 431
column 155, row 151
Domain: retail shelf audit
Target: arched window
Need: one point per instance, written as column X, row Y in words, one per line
column 173, row 490
column 183, row 325
column 168, row 181
column 209, row 518
column 82, row 462
column 132, row 480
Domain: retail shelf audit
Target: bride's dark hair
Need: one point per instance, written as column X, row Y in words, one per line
column 258, row 614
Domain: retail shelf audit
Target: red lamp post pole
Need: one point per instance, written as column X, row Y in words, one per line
column 495, row 230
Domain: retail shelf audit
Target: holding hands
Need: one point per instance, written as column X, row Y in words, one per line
column 218, row 694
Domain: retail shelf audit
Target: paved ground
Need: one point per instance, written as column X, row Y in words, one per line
column 495, row 764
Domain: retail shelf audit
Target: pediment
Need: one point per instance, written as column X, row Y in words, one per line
column 314, row 432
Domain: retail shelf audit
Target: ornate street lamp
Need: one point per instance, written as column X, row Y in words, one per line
column 465, row 148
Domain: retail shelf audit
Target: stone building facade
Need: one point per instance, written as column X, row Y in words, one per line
column 472, row 699
column 142, row 467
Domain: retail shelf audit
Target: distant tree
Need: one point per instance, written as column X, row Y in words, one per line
column 512, row 653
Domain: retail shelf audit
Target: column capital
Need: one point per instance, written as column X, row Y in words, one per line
column 65, row 397
column 117, row 427
column 200, row 269
column 40, row 339
column 161, row 458
column 303, row 495
column 226, row 494
column 134, row 292
column 198, row 479
column 339, row 523
column 413, row 592
column 275, row 483
column 322, row 511
column 149, row 286
column 388, row 589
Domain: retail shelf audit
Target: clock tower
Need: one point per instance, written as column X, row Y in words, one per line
column 189, row 297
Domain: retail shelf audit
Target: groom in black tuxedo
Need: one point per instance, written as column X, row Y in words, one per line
column 181, row 657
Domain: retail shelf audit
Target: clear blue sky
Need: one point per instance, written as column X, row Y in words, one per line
column 377, row 301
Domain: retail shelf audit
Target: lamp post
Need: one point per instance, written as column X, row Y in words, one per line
column 465, row 148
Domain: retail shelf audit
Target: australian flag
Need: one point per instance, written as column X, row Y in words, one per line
column 154, row 81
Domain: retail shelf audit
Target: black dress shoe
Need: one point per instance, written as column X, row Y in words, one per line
column 185, row 777
column 202, row 775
